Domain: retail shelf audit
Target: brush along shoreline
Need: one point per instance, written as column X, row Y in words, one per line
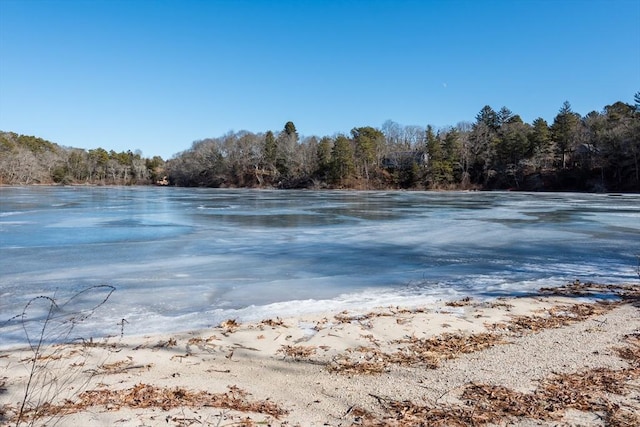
column 568, row 355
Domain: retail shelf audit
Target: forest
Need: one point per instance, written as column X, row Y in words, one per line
column 597, row 152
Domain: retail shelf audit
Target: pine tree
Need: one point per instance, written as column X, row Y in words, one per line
column 270, row 150
column 564, row 131
column 341, row 159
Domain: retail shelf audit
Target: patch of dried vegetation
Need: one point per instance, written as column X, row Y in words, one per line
column 595, row 290
column 143, row 396
column 631, row 353
column 203, row 343
column 229, row 326
column 121, row 366
column 490, row 404
column 426, row 352
column 459, row 303
column 429, row 352
column 273, row 323
column 555, row 317
column 481, row 404
column 297, row 352
column 346, row 317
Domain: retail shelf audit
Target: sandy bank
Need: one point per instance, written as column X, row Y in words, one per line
column 540, row 360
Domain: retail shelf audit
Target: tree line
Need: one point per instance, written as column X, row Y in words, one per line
column 498, row 150
column 28, row 160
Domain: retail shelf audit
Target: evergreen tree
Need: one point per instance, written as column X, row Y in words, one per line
column 290, row 130
column 286, row 151
column 323, row 155
column 434, row 149
column 488, row 117
column 270, row 150
column 504, row 116
column 342, row 166
column 367, row 142
column 540, row 142
column 564, row 131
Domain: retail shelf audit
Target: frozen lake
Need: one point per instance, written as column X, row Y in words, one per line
column 182, row 259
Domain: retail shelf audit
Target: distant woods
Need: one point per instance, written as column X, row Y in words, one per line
column 28, row 160
column 498, row 150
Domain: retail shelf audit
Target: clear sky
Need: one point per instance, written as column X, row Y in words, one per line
column 158, row 75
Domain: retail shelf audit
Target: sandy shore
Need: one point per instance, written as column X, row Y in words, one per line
column 549, row 359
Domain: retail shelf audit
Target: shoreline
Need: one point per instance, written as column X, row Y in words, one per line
column 320, row 189
column 389, row 366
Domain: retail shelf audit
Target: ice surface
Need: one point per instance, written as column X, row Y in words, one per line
column 189, row 258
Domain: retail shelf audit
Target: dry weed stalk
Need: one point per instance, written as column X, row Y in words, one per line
column 58, row 358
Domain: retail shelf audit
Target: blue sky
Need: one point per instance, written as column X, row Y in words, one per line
column 158, row 75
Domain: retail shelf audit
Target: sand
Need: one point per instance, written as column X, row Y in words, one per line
column 547, row 359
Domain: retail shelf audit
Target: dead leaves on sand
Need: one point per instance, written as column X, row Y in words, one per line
column 428, row 352
column 150, row 396
column 595, row 290
column 412, row 351
column 598, row 391
column 587, row 391
column 278, row 322
column 483, row 404
column 297, row 352
column 121, row 366
column 555, row 317
column 631, row 353
column 229, row 326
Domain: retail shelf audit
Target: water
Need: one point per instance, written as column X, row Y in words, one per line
column 183, row 259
